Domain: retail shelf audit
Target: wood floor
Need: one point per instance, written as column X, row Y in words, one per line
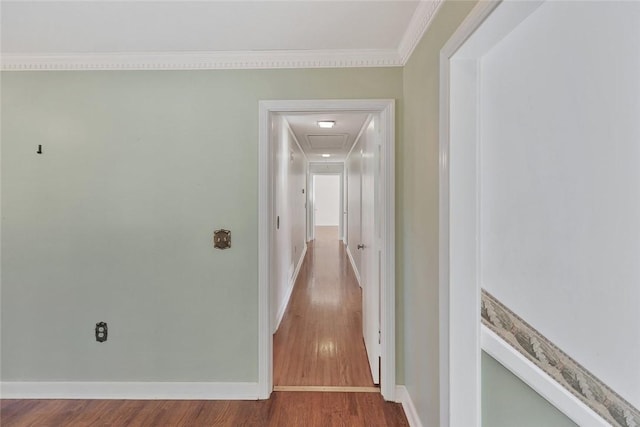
column 319, row 341
column 284, row 409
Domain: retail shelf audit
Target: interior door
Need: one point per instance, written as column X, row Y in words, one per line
column 370, row 250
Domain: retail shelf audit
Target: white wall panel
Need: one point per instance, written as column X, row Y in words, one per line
column 560, row 182
column 290, row 214
column 354, row 203
column 297, row 185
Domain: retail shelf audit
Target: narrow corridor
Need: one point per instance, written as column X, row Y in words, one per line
column 319, row 342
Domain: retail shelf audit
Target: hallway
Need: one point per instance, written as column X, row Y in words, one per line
column 319, row 342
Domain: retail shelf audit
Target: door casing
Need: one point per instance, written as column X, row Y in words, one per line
column 459, row 198
column 266, row 226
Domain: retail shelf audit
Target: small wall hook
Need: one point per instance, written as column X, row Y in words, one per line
column 39, row 149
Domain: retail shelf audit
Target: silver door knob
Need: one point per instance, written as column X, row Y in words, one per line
column 360, row 246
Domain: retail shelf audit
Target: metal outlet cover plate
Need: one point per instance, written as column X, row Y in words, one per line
column 101, row 331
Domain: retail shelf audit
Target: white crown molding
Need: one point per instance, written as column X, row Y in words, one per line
column 201, row 60
column 129, row 390
column 349, row 58
column 422, row 18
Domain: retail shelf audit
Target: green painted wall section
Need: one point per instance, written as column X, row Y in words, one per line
column 114, row 221
column 418, row 211
column 507, row 401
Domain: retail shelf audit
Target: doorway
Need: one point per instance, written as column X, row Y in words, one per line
column 327, row 206
column 326, row 193
column 383, row 243
column 326, row 197
column 501, row 144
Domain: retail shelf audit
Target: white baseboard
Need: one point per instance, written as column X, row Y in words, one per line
column 129, row 390
column 538, row 380
column 285, row 301
column 353, row 265
column 403, row 396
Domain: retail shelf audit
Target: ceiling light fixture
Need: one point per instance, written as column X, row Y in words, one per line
column 326, row 124
column 326, row 155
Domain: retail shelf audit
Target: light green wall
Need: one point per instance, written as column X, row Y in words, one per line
column 508, row 402
column 114, row 221
column 418, row 211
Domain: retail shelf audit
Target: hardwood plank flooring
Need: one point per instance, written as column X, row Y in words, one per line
column 319, row 341
column 284, row 409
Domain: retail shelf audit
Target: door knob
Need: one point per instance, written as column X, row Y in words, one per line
column 361, row 246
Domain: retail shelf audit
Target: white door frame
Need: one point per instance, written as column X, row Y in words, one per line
column 459, row 173
column 461, row 335
column 386, row 109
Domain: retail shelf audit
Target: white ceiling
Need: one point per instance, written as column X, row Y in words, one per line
column 336, row 141
column 115, row 34
column 197, row 26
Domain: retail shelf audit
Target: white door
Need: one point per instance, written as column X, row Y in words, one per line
column 281, row 237
column 370, row 251
column 326, row 197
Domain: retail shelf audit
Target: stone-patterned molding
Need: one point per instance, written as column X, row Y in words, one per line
column 420, row 21
column 200, row 60
column 557, row 364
